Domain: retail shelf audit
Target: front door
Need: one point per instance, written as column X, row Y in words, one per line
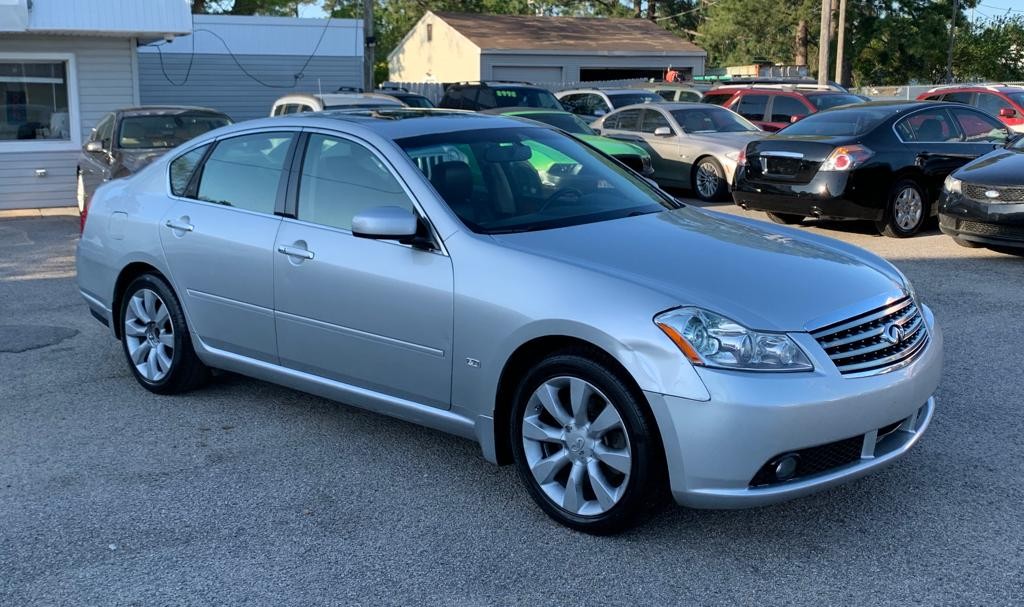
column 371, row 313
column 218, row 238
column 666, row 157
column 95, row 166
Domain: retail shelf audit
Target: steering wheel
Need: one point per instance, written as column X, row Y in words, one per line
column 558, row 194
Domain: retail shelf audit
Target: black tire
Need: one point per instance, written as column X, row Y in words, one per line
column 967, row 244
column 785, row 218
column 721, row 191
column 647, row 482
column 186, row 371
column 889, row 225
column 1016, row 252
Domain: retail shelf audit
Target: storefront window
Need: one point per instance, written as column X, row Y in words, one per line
column 34, row 100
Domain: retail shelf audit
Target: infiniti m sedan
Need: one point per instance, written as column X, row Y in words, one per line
column 610, row 342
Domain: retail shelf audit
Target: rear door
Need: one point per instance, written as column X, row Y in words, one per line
column 786, row 110
column 937, row 143
column 218, row 238
column 371, row 313
column 754, row 107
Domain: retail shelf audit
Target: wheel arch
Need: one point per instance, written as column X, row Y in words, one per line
column 129, row 273
column 528, row 354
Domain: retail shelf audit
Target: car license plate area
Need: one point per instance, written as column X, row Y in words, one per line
column 780, row 166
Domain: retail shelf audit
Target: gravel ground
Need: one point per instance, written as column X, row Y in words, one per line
column 247, row 493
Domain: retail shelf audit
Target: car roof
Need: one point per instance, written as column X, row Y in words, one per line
column 975, row 88
column 606, row 91
column 392, row 123
column 895, row 106
column 165, row 110
column 336, row 98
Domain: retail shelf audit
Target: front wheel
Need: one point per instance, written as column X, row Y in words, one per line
column 906, row 210
column 156, row 340
column 584, row 448
column 709, row 180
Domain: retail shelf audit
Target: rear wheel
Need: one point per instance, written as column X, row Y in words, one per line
column 709, row 181
column 786, row 218
column 583, row 446
column 906, row 210
column 156, row 340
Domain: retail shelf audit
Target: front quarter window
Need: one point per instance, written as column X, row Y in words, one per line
column 183, row 167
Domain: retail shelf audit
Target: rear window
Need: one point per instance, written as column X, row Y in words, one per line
column 624, row 99
column 1017, row 98
column 852, row 121
column 823, row 102
column 492, row 97
column 166, row 131
column 716, row 98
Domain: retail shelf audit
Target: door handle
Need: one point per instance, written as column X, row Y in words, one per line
column 295, row 252
column 179, row 225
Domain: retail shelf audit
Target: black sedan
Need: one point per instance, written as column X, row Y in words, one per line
column 881, row 161
column 983, row 203
column 126, row 140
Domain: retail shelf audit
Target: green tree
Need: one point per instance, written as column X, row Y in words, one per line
column 990, row 50
column 285, row 8
column 735, row 32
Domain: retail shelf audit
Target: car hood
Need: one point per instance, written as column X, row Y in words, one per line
column 135, row 160
column 732, row 140
column 1001, row 167
column 613, row 147
column 766, row 277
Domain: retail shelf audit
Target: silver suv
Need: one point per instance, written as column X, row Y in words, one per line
column 510, row 284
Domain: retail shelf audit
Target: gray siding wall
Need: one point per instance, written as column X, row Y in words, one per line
column 217, row 82
column 105, row 83
column 571, row 64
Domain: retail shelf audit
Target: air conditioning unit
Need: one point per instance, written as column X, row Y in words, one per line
column 13, row 15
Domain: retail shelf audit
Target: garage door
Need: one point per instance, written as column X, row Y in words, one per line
column 527, row 73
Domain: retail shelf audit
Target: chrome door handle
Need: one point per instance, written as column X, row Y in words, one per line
column 176, row 225
column 295, row 252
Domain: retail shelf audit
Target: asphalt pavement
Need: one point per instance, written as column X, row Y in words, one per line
column 247, row 493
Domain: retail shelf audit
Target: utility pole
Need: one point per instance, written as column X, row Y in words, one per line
column 841, row 42
column 370, row 43
column 823, row 41
column 952, row 39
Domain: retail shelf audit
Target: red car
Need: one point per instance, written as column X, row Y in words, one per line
column 774, row 106
column 1003, row 102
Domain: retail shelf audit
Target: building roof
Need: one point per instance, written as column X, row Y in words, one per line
column 585, row 34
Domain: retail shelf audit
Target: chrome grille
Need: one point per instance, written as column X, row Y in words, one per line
column 875, row 340
column 977, row 192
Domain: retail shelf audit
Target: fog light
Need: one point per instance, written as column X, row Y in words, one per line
column 785, row 466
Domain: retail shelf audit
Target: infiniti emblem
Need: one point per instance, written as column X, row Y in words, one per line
column 893, row 333
column 992, row 193
column 577, row 445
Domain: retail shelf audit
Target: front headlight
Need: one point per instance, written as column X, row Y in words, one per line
column 712, row 340
column 733, row 156
column 952, row 185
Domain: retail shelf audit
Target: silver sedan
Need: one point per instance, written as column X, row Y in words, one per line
column 692, row 145
column 610, row 342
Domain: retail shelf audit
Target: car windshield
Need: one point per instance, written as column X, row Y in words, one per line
column 166, row 130
column 570, row 123
column 525, row 97
column 847, row 121
column 823, row 102
column 521, row 179
column 624, row 99
column 416, row 101
column 712, row 120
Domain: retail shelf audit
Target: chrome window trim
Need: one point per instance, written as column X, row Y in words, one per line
column 952, row 119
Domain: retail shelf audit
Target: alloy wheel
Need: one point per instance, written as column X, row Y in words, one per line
column 908, row 208
column 707, row 179
column 576, row 446
column 149, row 335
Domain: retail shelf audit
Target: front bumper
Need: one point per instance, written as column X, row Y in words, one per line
column 999, row 224
column 828, row 195
column 716, row 448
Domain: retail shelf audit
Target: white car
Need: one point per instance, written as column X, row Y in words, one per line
column 298, row 103
column 692, row 145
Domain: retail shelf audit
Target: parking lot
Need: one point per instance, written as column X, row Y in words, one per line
column 245, row 492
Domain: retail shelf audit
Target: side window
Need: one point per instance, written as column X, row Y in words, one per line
column 573, row 103
column 182, row 168
column 611, row 122
column 784, row 108
column 485, row 99
column 653, row 119
column 341, row 178
column 596, row 105
column 752, row 107
column 244, row 172
column 629, row 120
column 667, row 94
column 304, row 108
column 987, row 102
column 979, row 128
column 958, row 97
column 929, row 126
column 717, row 98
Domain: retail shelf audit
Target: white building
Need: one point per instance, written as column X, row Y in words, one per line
column 63, row 65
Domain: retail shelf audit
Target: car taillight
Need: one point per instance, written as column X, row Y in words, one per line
column 81, row 218
column 846, row 157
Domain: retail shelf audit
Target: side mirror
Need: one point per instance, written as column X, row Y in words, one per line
column 386, row 223
column 663, row 131
column 93, row 147
column 1007, row 112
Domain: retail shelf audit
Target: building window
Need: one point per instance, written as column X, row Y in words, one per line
column 34, row 101
column 430, row 32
